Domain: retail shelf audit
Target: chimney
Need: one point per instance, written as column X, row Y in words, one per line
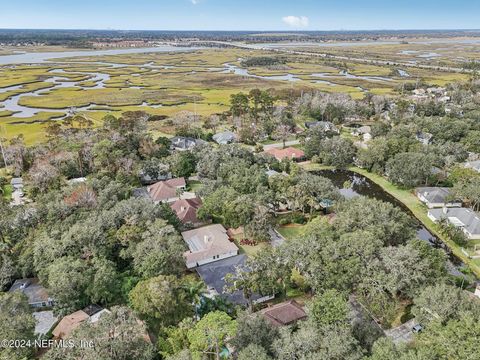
column 445, row 210
column 206, row 239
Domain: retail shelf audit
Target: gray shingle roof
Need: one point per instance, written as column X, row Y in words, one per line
column 463, row 217
column 16, row 181
column 434, row 194
column 35, row 292
column 185, row 143
column 224, row 137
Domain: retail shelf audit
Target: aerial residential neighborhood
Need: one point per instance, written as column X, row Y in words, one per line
column 218, row 180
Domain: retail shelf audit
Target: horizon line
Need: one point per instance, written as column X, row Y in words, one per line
column 253, row 30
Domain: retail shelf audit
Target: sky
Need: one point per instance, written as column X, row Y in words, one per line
column 261, row 15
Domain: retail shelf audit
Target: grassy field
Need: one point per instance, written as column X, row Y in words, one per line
column 190, row 81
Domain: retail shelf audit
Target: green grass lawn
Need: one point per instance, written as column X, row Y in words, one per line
column 317, row 167
column 292, row 231
column 248, row 249
column 194, row 185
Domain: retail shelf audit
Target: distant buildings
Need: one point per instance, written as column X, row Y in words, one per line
column 17, row 193
column 214, row 274
column 91, row 313
column 17, row 183
column 224, row 138
column 182, row 143
column 207, row 244
column 326, row 126
column 364, row 131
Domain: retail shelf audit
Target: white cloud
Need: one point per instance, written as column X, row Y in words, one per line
column 194, row 2
column 296, row 21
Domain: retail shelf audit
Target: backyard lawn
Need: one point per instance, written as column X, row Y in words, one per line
column 291, row 231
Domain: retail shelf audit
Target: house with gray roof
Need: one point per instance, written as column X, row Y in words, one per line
column 465, row 219
column 435, row 197
column 183, row 143
column 364, row 131
column 37, row 295
column 324, row 125
column 225, row 137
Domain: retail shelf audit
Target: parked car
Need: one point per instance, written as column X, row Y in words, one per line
column 417, row 328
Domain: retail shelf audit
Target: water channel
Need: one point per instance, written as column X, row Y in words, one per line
column 359, row 185
column 99, row 78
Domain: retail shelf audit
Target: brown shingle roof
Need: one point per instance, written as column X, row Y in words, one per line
column 288, row 153
column 164, row 190
column 69, row 323
column 186, row 210
column 284, row 313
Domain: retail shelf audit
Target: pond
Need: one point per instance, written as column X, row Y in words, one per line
column 359, row 185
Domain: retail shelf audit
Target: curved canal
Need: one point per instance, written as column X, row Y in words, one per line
column 351, row 184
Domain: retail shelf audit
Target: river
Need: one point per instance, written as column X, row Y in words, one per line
column 40, row 57
column 359, row 185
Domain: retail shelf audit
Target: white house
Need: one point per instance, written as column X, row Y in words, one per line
column 465, row 219
column 207, row 244
column 435, row 197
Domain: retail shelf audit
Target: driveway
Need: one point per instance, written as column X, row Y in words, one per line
column 280, row 144
column 402, row 333
column 276, row 239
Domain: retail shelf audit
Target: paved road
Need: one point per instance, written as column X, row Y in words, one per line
column 17, row 198
column 346, row 58
column 276, row 238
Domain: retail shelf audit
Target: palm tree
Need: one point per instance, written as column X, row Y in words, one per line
column 195, row 290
